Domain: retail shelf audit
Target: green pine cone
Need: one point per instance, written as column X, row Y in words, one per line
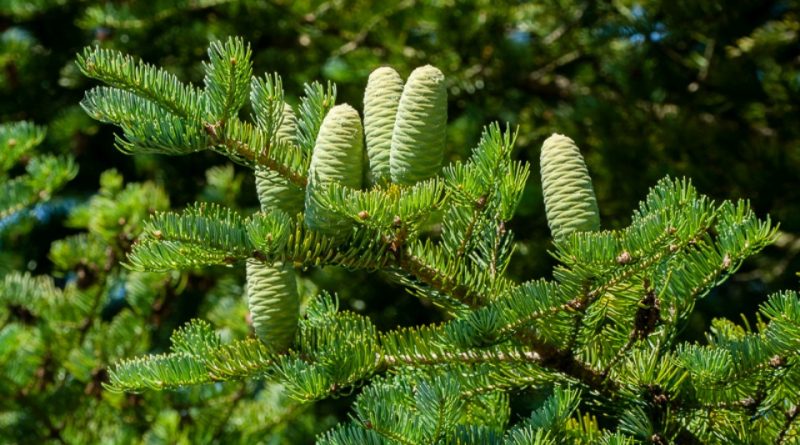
column 568, row 194
column 419, row 132
column 273, row 302
column 381, row 99
column 337, row 157
column 275, row 192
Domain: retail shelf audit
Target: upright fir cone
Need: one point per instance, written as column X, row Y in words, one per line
column 273, row 302
column 569, row 198
column 381, row 99
column 419, row 131
column 337, row 157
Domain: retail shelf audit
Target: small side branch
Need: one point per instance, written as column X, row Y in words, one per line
column 434, row 278
column 258, row 156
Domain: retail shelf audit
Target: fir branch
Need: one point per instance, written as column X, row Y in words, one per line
column 458, row 278
column 314, row 105
column 439, row 406
column 488, row 173
column 500, row 241
column 197, row 238
column 387, row 433
column 425, row 292
column 44, row 175
column 427, row 273
column 486, row 379
column 192, row 366
column 227, row 78
column 518, row 308
column 267, row 102
column 206, row 234
column 487, row 188
column 363, row 251
column 148, row 127
column 647, row 317
column 555, row 411
column 157, row 372
column 529, row 436
column 387, row 211
column 239, row 360
column 16, row 140
column 151, row 83
column 567, row 364
column 439, row 345
column 653, row 237
column 159, row 114
column 350, row 434
column 248, row 145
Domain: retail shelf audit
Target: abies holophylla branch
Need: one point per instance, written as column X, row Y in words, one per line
column 396, row 132
column 599, row 339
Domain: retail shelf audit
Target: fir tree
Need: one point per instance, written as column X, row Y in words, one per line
column 600, row 339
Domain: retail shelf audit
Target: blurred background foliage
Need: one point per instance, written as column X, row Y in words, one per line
column 709, row 90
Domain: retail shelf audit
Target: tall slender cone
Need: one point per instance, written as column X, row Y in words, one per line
column 381, row 99
column 337, row 157
column 273, row 302
column 273, row 190
column 569, row 198
column 419, row 131
column 271, row 288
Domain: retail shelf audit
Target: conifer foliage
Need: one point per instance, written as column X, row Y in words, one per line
column 59, row 333
column 599, row 340
column 43, row 174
